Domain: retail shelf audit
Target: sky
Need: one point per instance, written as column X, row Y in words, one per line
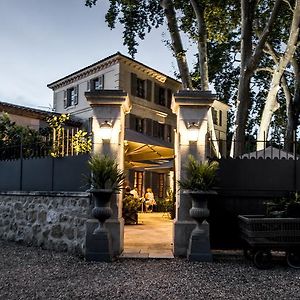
column 44, row 40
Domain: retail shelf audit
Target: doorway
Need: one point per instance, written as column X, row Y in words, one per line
column 150, row 166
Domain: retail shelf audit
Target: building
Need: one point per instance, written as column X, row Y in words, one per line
column 25, row 116
column 149, row 122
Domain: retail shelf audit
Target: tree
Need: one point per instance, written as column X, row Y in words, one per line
column 193, row 17
column 271, row 104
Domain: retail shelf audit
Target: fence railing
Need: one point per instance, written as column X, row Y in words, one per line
column 267, row 149
column 58, row 144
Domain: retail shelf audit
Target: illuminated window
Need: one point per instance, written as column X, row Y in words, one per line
column 139, row 181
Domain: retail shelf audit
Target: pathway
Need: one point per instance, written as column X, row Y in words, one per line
column 151, row 238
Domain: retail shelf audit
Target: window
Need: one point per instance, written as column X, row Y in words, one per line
column 139, row 125
column 161, row 96
column 214, row 116
column 158, row 130
column 140, row 88
column 71, row 96
column 96, row 84
column 138, row 181
column 161, row 131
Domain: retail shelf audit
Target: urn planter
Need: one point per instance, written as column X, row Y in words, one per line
column 98, row 239
column 102, row 210
column 199, row 244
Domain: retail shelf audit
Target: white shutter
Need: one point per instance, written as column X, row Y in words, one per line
column 88, row 85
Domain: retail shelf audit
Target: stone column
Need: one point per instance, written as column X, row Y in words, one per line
column 111, row 106
column 190, row 106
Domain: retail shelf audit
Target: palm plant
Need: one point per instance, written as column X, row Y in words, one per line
column 105, row 173
column 199, row 175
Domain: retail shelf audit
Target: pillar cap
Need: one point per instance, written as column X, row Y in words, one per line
column 193, row 98
column 108, row 97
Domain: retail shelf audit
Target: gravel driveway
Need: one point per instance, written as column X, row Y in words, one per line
column 31, row 273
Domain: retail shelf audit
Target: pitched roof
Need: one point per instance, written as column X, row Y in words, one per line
column 102, row 64
column 32, row 112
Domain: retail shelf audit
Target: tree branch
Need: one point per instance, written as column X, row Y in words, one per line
column 263, row 39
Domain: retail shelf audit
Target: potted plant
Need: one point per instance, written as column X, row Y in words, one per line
column 130, row 207
column 106, row 178
column 200, row 177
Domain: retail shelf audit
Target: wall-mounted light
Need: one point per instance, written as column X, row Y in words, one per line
column 193, row 131
column 105, row 130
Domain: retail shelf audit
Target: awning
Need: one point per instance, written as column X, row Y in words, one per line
column 142, row 151
column 163, row 167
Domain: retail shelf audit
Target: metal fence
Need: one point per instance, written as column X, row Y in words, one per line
column 45, row 174
column 252, row 149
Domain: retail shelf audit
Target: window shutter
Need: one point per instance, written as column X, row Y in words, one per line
column 133, row 84
column 156, row 93
column 169, row 98
column 155, row 129
column 149, row 90
column 220, row 118
column 149, row 127
column 88, row 85
column 169, row 134
column 132, row 121
column 65, row 98
column 102, row 82
column 76, row 92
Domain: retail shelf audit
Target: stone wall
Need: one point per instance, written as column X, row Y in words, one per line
column 51, row 220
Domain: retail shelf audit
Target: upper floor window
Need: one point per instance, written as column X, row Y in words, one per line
column 96, row 84
column 140, row 88
column 214, row 116
column 71, row 96
column 161, row 96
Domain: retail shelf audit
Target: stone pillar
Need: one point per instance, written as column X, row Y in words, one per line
column 190, row 106
column 111, row 106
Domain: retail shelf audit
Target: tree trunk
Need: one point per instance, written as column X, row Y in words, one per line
column 243, row 97
column 179, row 52
column 202, row 43
column 271, row 104
column 293, row 110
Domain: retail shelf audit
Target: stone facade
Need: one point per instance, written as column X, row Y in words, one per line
column 51, row 220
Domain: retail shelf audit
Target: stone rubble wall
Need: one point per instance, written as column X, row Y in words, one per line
column 51, row 220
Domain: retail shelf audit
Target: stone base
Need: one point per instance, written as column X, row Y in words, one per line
column 182, row 233
column 116, row 229
column 98, row 245
column 199, row 245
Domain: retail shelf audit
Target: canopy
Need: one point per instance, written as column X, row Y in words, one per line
column 143, row 151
